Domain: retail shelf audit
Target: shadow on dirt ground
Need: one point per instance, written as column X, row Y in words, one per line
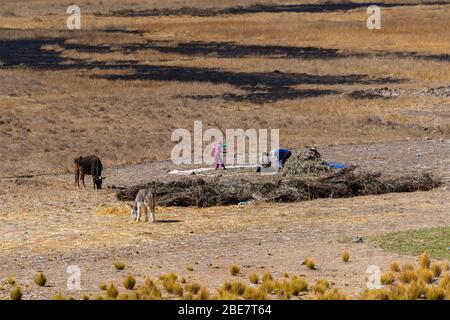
column 258, row 8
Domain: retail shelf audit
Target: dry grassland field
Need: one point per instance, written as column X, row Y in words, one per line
column 378, row 100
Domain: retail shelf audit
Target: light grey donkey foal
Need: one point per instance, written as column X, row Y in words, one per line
column 145, row 199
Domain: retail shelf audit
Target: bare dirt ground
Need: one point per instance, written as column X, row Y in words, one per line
column 47, row 225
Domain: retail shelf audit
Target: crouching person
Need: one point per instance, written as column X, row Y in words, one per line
column 145, row 200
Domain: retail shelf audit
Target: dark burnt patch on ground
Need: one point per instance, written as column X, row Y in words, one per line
column 260, row 8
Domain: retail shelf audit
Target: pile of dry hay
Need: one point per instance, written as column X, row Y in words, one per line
column 305, row 162
column 206, row 192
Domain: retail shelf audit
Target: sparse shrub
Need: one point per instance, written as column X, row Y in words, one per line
column 129, row 282
column 99, row 297
column 426, row 275
column 119, row 265
column 436, row 269
column 85, row 297
column 70, row 298
column 234, row 270
column 193, row 288
column 395, row 266
column 11, row 281
column 102, row 286
column 424, row 260
column 310, row 263
column 40, row 279
column 387, row 278
column 111, row 291
column 16, row 293
column 345, row 256
column 190, row 268
column 254, row 278
column 182, row 280
column 58, row 296
column 267, row 277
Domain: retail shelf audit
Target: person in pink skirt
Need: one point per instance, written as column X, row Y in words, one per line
column 218, row 160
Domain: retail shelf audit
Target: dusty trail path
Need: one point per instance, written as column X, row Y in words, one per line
column 47, row 225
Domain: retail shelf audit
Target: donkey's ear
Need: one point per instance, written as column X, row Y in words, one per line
column 102, row 178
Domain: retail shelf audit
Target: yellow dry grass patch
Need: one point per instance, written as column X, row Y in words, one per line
column 113, row 211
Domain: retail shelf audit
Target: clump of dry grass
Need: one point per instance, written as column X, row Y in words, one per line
column 169, row 276
column 309, row 262
column 407, row 267
column 193, row 288
column 113, row 211
column 436, row 269
column 407, row 276
column 129, row 282
column 254, row 294
column 320, row 286
column 203, row 294
column 345, row 256
column 11, row 280
column 40, row 279
column 333, row 294
column 119, row 265
column 172, row 286
column 58, row 296
column 85, row 297
column 374, row 294
column 426, row 275
column 149, row 290
column 234, row 270
column 16, row 293
column 253, row 278
column 297, row 285
column 111, row 291
column 102, row 286
column 388, row 278
column 190, row 268
column 267, row 277
column 394, row 266
column 424, row 260
column 446, row 265
column 434, row 293
column 122, row 296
